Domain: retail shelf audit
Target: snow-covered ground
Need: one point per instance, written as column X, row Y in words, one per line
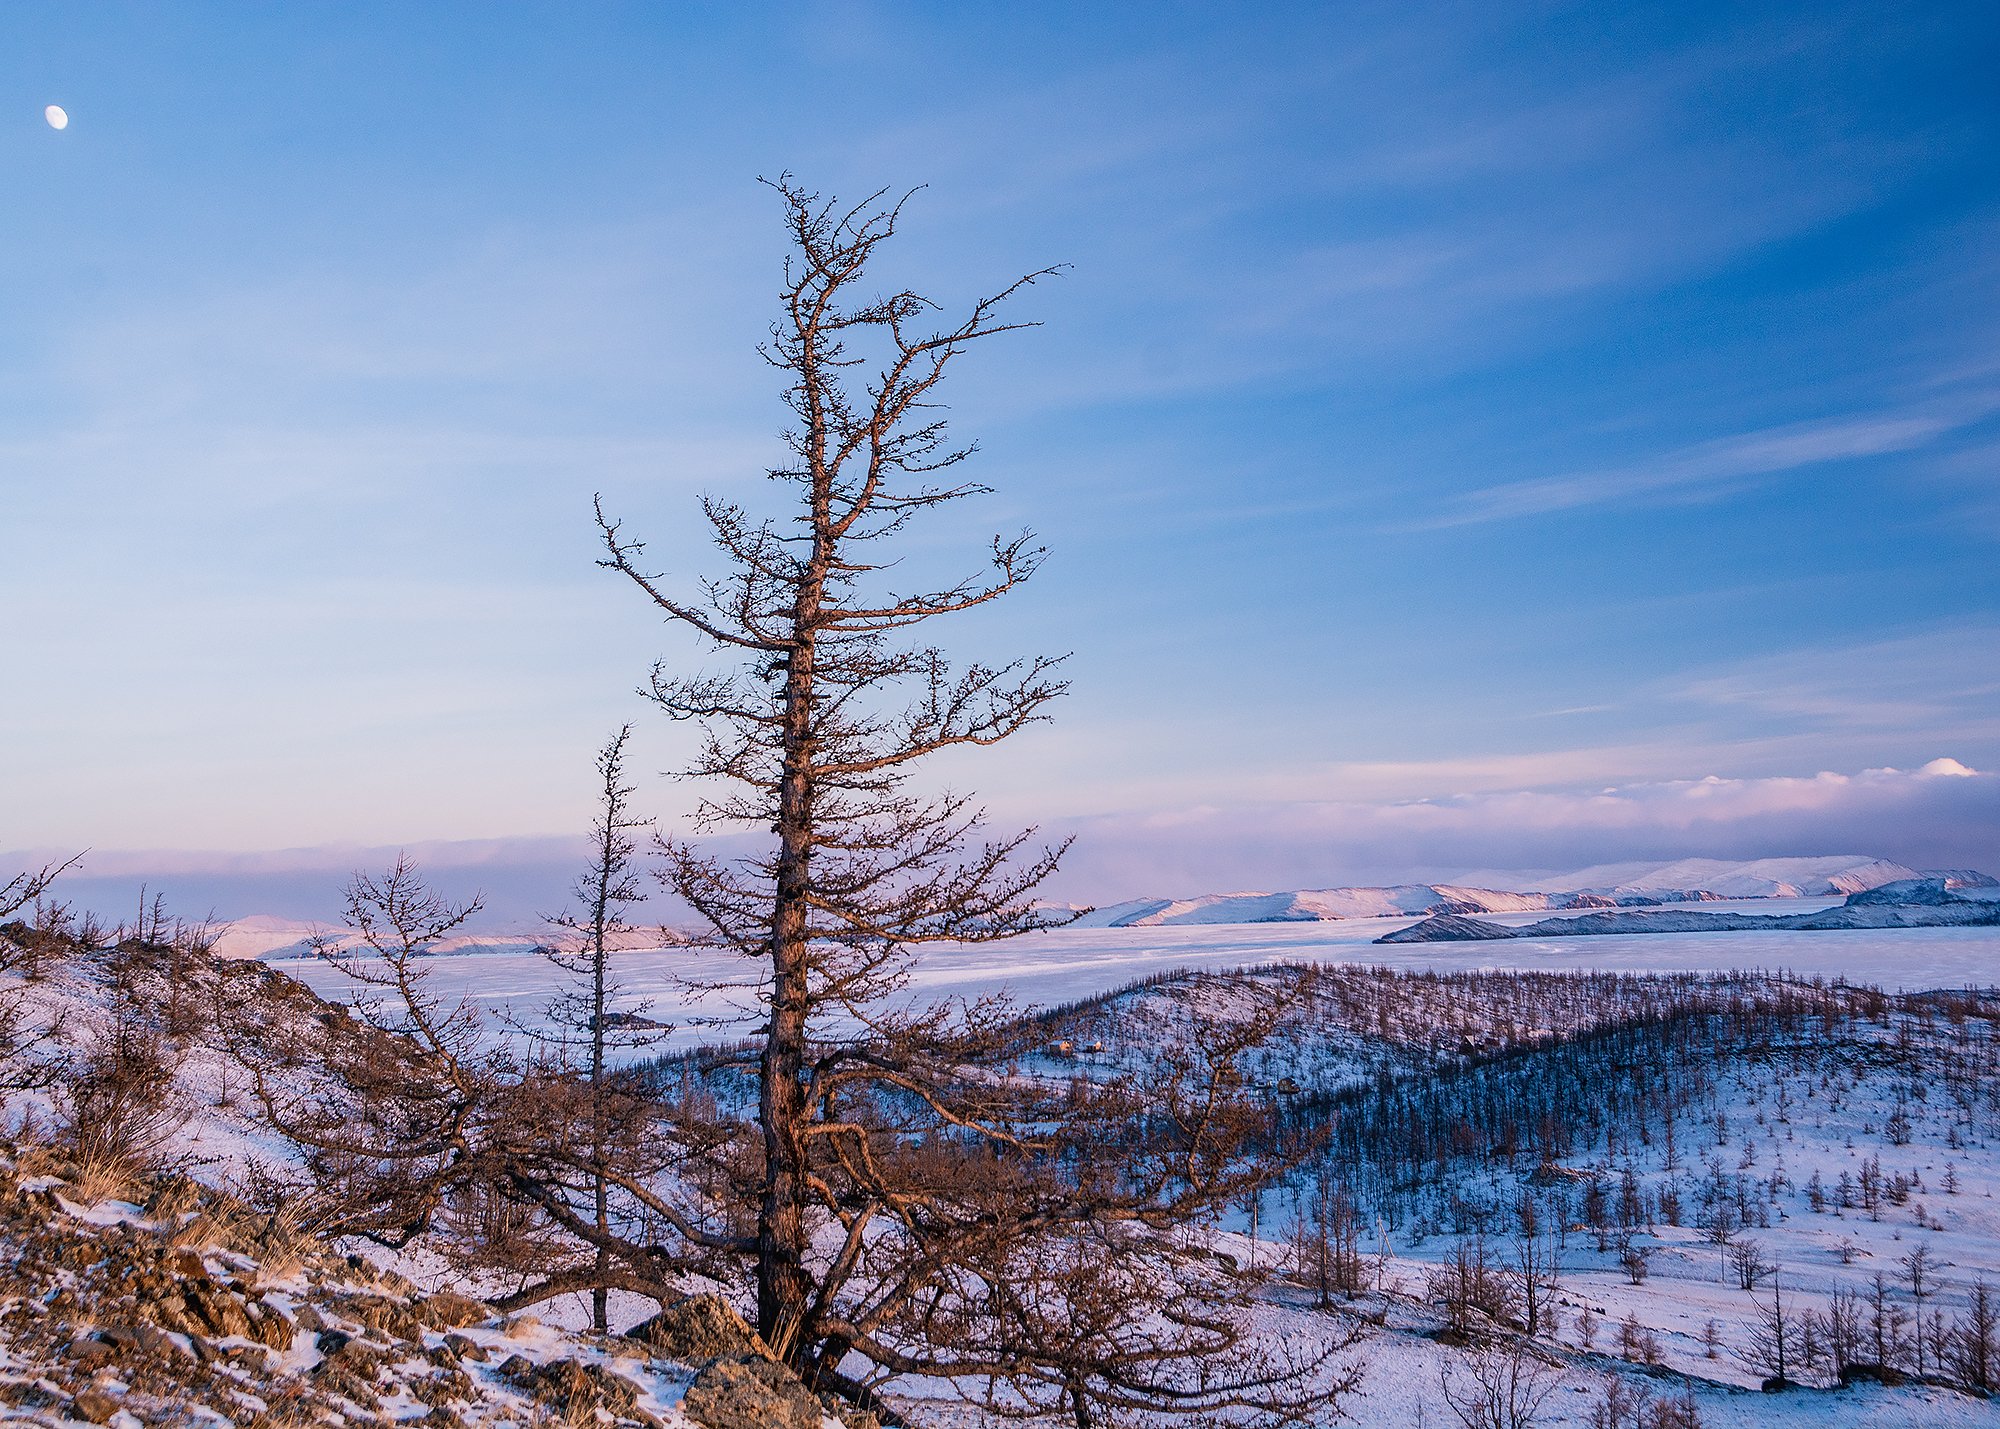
column 1069, row 964
column 1786, row 1113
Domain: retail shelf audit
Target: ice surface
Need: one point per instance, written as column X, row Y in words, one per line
column 1064, row 965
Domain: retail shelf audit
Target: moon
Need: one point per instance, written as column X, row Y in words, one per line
column 57, row 116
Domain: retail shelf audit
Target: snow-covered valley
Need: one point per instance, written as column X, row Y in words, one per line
column 1064, row 965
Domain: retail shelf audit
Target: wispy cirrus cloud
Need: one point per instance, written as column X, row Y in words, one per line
column 1712, row 467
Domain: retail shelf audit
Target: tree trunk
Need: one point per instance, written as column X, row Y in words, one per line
column 782, row 1283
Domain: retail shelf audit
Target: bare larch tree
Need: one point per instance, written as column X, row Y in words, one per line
column 919, row 1204
column 862, row 868
column 581, row 1018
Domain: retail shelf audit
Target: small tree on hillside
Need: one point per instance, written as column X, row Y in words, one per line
column 25, row 887
column 388, row 1113
column 1975, row 1339
column 1776, row 1347
column 582, row 1015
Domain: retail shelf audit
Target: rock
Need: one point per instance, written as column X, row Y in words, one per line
column 23, row 1395
column 95, row 1404
column 750, row 1394
column 217, row 1310
column 347, row 1381
column 383, row 1315
column 448, row 1310
column 576, row 1390
column 189, row 1303
column 90, row 1350
column 146, row 1339
column 701, row 1327
column 269, row 1325
column 255, row 1358
column 465, row 1349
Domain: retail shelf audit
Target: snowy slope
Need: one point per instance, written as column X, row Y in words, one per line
column 1760, row 878
column 1314, row 905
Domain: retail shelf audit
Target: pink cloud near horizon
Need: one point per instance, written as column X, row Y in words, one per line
column 1943, row 814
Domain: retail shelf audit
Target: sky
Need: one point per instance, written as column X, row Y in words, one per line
column 1466, row 436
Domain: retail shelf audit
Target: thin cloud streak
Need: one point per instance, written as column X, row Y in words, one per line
column 1711, row 466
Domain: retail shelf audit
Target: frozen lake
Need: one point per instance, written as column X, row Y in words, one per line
column 1045, row 969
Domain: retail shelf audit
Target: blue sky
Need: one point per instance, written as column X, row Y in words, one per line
column 1446, row 408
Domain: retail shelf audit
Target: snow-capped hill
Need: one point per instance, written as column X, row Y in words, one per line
column 1824, row 876
column 1687, row 880
column 1316, row 905
column 1959, row 879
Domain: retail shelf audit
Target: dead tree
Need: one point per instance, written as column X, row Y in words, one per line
column 387, row 1108
column 582, row 1018
column 1503, row 1387
column 29, row 885
column 913, row 1209
column 1975, row 1339
column 29, row 1054
column 1774, row 1349
column 412, row 1123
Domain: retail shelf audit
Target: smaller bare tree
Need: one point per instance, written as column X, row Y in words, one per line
column 583, row 1014
column 1503, row 1387
column 1535, row 1275
column 1975, row 1339
column 1326, row 1240
column 1920, row 1271
column 392, row 1113
column 1746, row 1260
column 29, row 885
column 1775, row 1348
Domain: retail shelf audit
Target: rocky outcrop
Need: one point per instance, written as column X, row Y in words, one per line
column 577, row 1391
column 1904, row 893
column 701, row 1327
column 155, row 1314
column 738, row 1382
column 1911, row 903
column 1448, row 928
column 750, row 1393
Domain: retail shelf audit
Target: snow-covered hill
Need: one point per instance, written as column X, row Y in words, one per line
column 1907, row 903
column 1826, row 875
column 1605, row 885
column 1315, row 905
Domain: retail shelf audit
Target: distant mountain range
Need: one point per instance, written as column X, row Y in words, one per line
column 1906, row 903
column 1605, row 886
column 1611, row 885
